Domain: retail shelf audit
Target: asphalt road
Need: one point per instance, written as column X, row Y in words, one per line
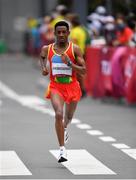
column 102, row 143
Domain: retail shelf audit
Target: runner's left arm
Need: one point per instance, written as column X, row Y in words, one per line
column 79, row 66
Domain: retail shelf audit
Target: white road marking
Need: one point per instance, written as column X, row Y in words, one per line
column 107, row 139
column 24, row 100
column 83, row 126
column 8, row 92
column 36, row 103
column 11, row 165
column 81, row 162
column 75, row 121
column 120, row 146
column 94, row 132
column 32, row 100
column 43, row 110
column 130, row 152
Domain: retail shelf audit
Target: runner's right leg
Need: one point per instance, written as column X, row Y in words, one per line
column 58, row 103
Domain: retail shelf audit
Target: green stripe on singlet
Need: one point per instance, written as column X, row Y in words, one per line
column 66, row 79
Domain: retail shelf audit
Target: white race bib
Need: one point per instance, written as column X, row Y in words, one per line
column 61, row 68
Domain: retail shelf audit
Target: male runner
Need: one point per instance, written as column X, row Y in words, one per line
column 66, row 61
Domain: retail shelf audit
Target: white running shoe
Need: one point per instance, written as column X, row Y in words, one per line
column 62, row 156
column 66, row 136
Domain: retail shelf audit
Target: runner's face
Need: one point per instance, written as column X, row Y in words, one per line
column 61, row 34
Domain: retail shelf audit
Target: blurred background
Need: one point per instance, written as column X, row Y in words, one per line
column 15, row 15
column 104, row 30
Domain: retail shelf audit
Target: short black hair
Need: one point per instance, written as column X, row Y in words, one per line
column 62, row 23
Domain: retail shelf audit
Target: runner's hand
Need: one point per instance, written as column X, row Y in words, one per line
column 45, row 71
column 64, row 58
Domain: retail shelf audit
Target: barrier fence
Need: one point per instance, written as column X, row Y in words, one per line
column 111, row 72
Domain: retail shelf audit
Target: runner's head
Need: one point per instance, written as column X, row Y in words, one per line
column 62, row 31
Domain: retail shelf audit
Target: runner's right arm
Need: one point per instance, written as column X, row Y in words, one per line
column 43, row 60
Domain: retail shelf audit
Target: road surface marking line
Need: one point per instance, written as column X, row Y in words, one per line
column 23, row 99
column 94, row 132
column 32, row 102
column 31, row 99
column 8, row 92
column 83, row 126
column 10, row 164
column 130, row 152
column 81, row 162
column 75, row 121
column 107, row 139
column 120, row 146
column 43, row 110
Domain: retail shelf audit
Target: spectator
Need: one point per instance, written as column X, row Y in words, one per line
column 123, row 33
column 59, row 14
column 36, row 40
column 131, row 21
column 109, row 30
column 46, row 30
column 96, row 25
column 78, row 36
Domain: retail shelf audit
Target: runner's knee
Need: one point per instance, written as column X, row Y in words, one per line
column 59, row 115
column 69, row 117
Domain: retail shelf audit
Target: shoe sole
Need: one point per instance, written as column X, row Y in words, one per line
column 62, row 159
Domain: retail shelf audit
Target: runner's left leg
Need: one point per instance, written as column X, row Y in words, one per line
column 69, row 112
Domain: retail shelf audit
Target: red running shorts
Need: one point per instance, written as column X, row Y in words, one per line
column 68, row 91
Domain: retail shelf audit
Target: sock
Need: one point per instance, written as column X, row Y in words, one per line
column 62, row 148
